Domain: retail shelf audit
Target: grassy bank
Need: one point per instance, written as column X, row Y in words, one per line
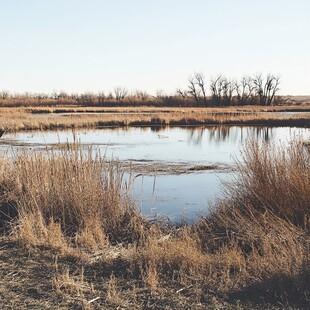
column 77, row 240
column 15, row 119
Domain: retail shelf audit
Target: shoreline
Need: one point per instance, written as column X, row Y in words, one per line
column 11, row 123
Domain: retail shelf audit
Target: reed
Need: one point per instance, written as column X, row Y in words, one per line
column 68, row 194
column 254, row 243
column 16, row 119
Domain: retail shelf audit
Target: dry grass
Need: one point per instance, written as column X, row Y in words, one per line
column 14, row 119
column 254, row 247
column 68, row 193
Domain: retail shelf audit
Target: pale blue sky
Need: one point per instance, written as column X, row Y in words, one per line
column 92, row 45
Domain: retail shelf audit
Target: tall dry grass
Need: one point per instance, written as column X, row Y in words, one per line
column 254, row 241
column 16, row 119
column 68, row 195
column 276, row 181
column 272, row 184
column 258, row 237
column 264, row 219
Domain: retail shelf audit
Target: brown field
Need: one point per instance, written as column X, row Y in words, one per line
column 43, row 118
column 71, row 238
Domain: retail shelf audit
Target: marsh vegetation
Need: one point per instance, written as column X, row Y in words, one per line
column 175, row 171
column 16, row 119
column 99, row 251
column 67, row 213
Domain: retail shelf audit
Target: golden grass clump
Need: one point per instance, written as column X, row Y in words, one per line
column 263, row 224
column 176, row 257
column 276, row 181
column 68, row 194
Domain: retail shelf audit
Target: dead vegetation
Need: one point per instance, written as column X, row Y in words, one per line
column 257, row 89
column 77, row 240
column 16, row 119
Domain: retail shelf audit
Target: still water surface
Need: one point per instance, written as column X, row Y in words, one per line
column 169, row 195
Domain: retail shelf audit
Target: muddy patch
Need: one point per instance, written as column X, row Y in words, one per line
column 148, row 167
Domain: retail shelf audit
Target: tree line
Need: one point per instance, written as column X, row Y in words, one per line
column 221, row 91
column 225, row 92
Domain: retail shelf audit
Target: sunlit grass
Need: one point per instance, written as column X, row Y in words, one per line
column 15, row 119
column 257, row 236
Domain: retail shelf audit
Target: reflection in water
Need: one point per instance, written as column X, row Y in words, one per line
column 264, row 132
column 203, row 145
column 177, row 196
column 195, row 135
column 214, row 133
column 192, row 146
column 233, row 134
column 220, row 133
column 157, row 128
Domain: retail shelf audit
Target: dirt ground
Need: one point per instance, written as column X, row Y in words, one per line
column 41, row 278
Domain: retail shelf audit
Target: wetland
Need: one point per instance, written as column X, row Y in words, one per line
column 175, row 173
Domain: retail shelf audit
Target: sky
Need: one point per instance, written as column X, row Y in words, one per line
column 151, row 45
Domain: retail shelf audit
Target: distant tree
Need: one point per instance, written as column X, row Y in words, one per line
column 245, row 90
column 87, row 98
column 120, row 93
column 193, row 91
column 55, row 95
column 223, row 90
column 110, row 96
column 75, row 97
column 101, row 98
column 41, row 96
column 63, row 95
column 228, row 88
column 164, row 99
column 200, row 81
column 59, row 95
column 142, row 95
column 216, row 87
column 159, row 97
column 182, row 93
column 266, row 89
column 4, row 94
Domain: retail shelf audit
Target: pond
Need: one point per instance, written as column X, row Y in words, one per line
column 180, row 168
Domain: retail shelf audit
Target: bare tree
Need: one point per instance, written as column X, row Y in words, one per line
column 228, row 87
column 55, row 95
column 142, row 95
column 120, row 93
column 200, row 81
column 193, row 91
column 88, row 98
column 223, row 90
column 182, row 93
column 159, row 97
column 4, row 95
column 165, row 99
column 267, row 89
column 75, row 97
column 110, row 96
column 216, row 87
column 41, row 96
column 58, row 95
column 245, row 90
column 258, row 81
column 272, row 86
column 63, row 95
column 101, row 98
